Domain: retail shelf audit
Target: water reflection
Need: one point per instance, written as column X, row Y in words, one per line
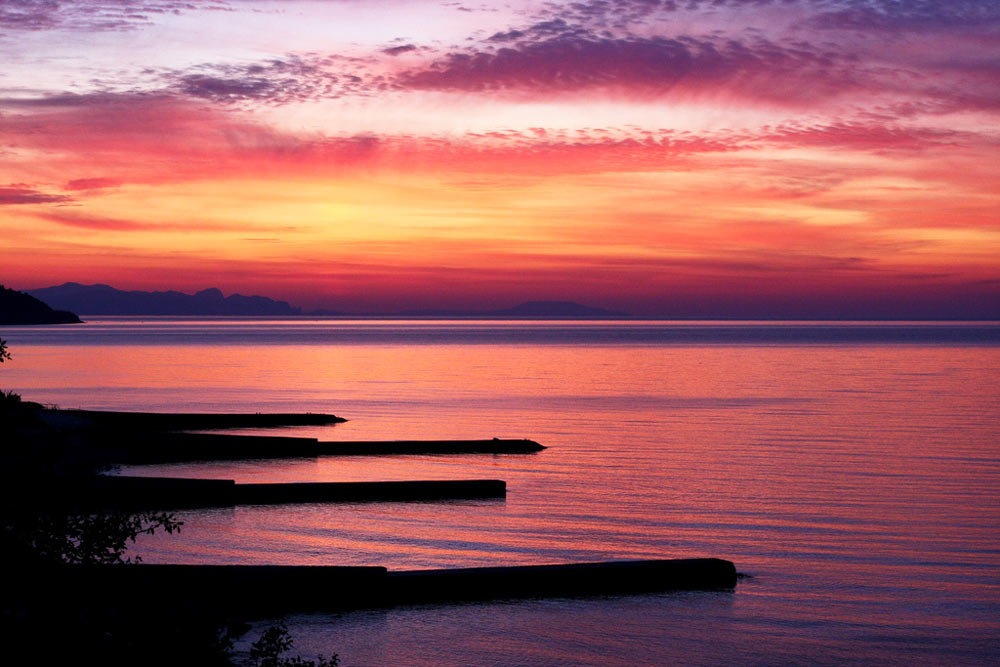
column 859, row 483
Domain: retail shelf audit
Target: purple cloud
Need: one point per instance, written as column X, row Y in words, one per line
column 860, row 16
column 92, row 15
column 576, row 62
column 908, row 15
column 399, row 50
column 283, row 80
column 18, row 193
column 541, row 30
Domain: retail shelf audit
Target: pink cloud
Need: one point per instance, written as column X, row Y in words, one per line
column 92, row 183
column 91, row 222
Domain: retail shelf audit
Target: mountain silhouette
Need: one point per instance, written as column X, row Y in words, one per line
column 20, row 308
column 106, row 300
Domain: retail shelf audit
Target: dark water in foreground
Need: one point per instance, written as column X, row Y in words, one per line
column 853, row 470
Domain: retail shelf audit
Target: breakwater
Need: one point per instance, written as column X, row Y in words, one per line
column 138, row 448
column 179, row 447
column 186, row 421
column 177, row 492
column 277, row 589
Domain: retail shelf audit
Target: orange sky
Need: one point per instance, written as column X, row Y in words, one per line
column 806, row 158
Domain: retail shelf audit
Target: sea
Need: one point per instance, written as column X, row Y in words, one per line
column 851, row 470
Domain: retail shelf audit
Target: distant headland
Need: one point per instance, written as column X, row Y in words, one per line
column 19, row 308
column 106, row 300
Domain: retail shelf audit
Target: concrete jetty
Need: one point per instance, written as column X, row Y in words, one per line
column 391, row 447
column 176, row 447
column 186, row 421
column 139, row 438
column 276, row 589
column 487, row 583
column 170, row 447
column 166, row 493
column 327, row 492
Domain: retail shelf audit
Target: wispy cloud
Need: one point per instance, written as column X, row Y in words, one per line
column 794, row 52
column 907, row 15
column 92, row 15
column 84, row 221
column 877, row 137
column 17, row 193
column 282, row 80
column 399, row 50
column 92, row 183
column 643, row 66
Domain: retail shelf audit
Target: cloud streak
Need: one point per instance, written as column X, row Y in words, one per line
column 91, row 15
column 92, row 183
column 907, row 15
column 643, row 68
column 83, row 221
column 18, row 194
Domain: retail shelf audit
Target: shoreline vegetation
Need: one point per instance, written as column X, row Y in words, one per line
column 67, row 529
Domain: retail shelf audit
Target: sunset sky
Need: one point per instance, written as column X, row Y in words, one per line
column 755, row 158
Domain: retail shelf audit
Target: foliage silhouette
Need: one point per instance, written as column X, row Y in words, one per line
column 267, row 650
column 62, row 536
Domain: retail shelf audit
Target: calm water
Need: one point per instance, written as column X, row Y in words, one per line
column 853, row 470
